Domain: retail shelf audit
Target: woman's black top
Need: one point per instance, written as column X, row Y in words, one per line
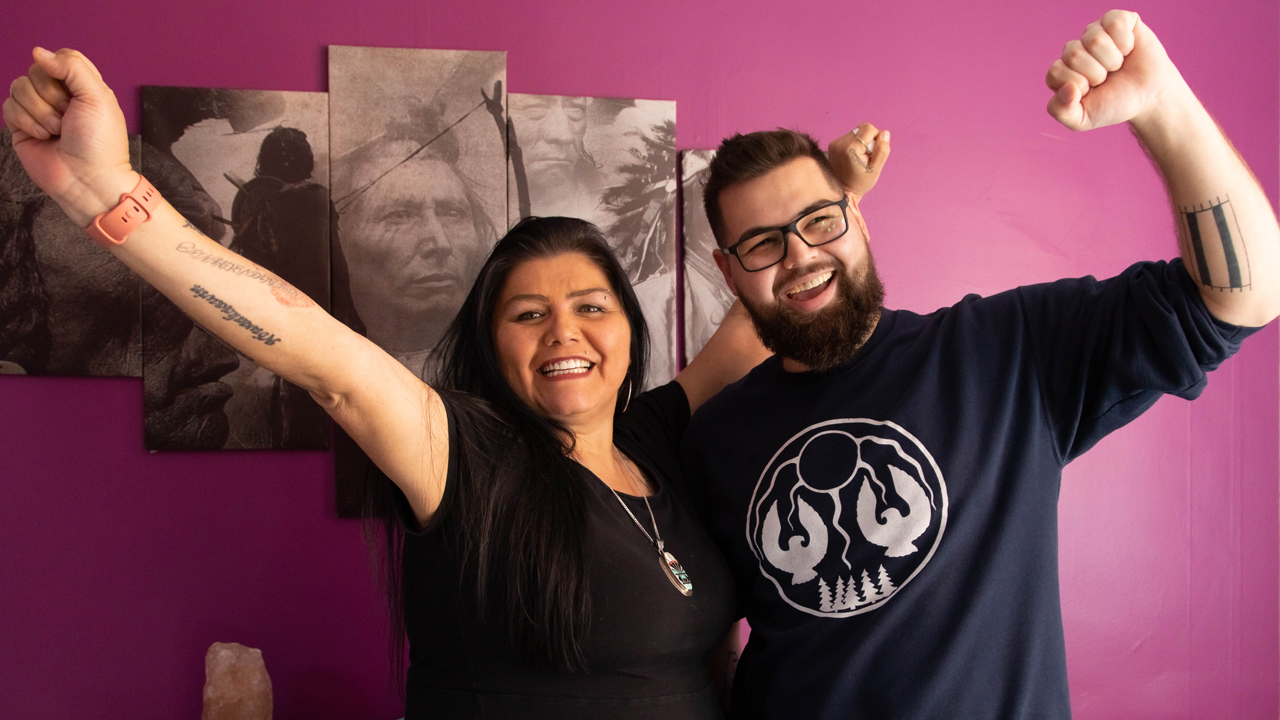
column 647, row 646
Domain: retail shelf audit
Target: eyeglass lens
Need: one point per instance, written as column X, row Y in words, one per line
column 817, row 228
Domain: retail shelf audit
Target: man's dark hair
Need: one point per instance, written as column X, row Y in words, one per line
column 746, row 157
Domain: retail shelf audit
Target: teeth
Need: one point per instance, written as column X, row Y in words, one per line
column 812, row 283
column 574, row 371
column 565, row 367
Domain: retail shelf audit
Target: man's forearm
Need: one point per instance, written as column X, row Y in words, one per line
column 1227, row 230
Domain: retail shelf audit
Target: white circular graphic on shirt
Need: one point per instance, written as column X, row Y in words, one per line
column 846, row 513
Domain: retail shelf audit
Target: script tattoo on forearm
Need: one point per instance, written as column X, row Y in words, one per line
column 1215, row 248
column 187, row 224
column 284, row 293
column 230, row 314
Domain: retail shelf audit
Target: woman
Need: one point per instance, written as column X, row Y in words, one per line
column 550, row 567
column 563, row 564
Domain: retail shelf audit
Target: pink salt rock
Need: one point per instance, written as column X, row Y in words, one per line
column 236, row 684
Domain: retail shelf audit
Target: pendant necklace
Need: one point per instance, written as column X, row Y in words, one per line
column 670, row 566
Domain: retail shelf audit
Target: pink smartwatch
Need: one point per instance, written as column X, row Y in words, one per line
column 112, row 227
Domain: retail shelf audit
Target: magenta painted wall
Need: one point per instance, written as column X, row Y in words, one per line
column 118, row 568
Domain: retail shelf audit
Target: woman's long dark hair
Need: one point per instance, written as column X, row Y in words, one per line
column 520, row 501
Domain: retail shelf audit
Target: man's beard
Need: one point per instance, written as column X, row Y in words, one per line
column 828, row 337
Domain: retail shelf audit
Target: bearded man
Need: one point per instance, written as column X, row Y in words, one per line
column 897, row 474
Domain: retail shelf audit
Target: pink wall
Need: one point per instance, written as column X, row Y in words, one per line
column 118, row 568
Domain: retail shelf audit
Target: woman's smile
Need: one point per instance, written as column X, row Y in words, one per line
column 566, row 369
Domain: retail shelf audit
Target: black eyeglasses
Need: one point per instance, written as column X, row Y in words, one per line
column 769, row 247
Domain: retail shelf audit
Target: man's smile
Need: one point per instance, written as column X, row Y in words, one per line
column 810, row 288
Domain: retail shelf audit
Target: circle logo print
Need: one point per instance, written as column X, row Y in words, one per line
column 846, row 513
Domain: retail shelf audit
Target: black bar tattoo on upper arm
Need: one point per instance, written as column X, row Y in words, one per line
column 1215, row 243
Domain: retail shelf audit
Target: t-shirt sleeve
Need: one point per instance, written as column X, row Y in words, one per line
column 651, row 428
column 1107, row 349
column 657, row 418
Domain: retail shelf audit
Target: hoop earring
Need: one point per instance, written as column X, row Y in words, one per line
column 627, row 404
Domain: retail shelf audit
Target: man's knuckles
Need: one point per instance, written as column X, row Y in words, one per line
column 1099, row 43
column 1121, row 26
column 1073, row 53
column 1056, row 76
column 1119, row 20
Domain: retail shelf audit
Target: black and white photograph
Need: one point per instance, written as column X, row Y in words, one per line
column 418, row 140
column 419, row 186
column 252, row 170
column 706, row 296
column 67, row 306
column 613, row 162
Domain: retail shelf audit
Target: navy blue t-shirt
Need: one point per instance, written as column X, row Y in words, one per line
column 892, row 523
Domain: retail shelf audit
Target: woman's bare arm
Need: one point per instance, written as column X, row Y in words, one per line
column 69, row 133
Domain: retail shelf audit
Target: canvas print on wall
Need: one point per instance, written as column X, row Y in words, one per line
column 420, row 188
column 67, row 306
column 613, row 162
column 419, row 185
column 706, row 296
column 250, row 169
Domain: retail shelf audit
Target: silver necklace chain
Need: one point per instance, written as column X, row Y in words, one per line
column 670, row 566
column 657, row 543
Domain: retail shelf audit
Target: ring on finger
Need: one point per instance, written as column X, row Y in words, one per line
column 869, row 146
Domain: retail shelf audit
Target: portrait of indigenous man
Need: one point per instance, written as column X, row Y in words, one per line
column 67, row 307
column 706, row 297
column 613, row 162
column 419, row 187
column 418, row 184
column 260, row 162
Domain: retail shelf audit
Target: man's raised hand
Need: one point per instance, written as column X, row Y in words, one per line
column 69, row 133
column 1115, row 72
column 858, row 157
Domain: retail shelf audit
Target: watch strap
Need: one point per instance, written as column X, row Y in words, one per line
column 113, row 227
